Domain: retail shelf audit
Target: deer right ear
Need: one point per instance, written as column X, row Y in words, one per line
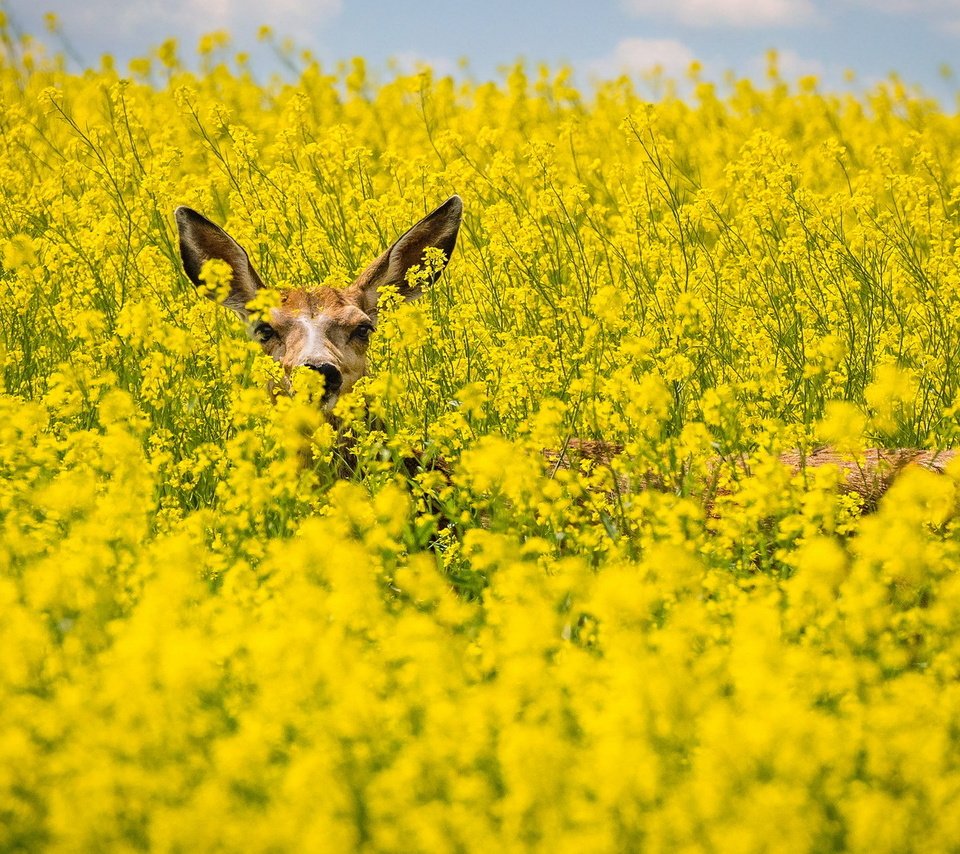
column 436, row 230
column 201, row 240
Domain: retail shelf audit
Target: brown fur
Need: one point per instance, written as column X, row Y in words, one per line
column 868, row 476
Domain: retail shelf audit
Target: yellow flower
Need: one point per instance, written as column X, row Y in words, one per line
column 218, row 599
column 19, row 251
column 843, row 426
column 889, row 394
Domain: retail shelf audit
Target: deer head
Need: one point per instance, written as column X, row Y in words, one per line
column 324, row 329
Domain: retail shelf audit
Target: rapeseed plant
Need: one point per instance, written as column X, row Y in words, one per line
column 212, row 641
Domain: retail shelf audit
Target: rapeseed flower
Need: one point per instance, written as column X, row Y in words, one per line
column 231, row 622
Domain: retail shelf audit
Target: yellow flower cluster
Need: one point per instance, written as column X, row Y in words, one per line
column 211, row 640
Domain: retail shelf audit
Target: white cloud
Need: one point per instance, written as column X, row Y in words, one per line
column 643, row 56
column 106, row 23
column 732, row 13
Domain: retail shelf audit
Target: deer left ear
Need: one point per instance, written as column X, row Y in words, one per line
column 202, row 240
column 438, row 229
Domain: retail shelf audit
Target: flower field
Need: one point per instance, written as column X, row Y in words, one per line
column 211, row 641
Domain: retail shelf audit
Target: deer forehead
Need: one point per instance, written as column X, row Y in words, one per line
column 322, row 312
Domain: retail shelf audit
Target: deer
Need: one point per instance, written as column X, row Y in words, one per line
column 328, row 330
column 324, row 329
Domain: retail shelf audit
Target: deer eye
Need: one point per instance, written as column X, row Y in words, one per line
column 263, row 332
column 362, row 332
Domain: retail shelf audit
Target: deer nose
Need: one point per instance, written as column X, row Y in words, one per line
column 332, row 378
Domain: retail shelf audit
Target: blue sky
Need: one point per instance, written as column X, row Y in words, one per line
column 869, row 37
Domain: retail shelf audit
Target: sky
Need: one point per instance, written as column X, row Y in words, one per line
column 916, row 39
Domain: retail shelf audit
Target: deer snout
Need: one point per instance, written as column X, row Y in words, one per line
column 332, row 378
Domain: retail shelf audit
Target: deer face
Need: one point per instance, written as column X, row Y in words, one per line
column 325, row 330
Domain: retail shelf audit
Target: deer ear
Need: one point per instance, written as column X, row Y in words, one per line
column 201, row 240
column 438, row 229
